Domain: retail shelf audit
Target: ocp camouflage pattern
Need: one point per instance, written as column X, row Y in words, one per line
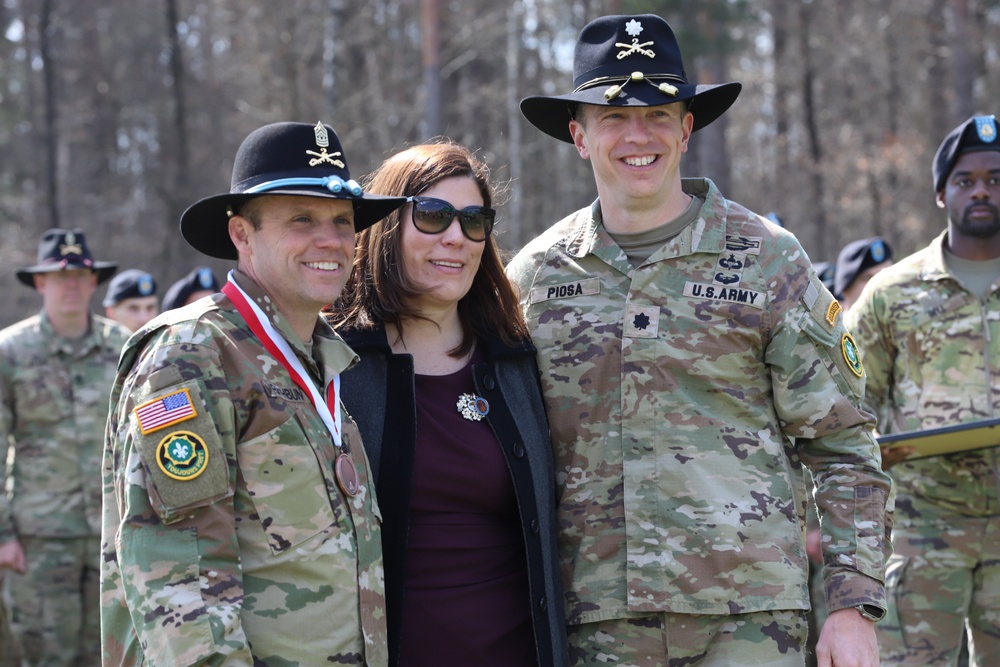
column 53, row 407
column 932, row 350
column 259, row 558
column 687, row 398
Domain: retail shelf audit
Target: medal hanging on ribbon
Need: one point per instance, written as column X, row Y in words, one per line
column 344, row 469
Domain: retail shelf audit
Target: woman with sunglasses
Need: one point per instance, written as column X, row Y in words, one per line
column 447, row 399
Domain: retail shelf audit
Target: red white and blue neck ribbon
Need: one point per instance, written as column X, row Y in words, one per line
column 275, row 343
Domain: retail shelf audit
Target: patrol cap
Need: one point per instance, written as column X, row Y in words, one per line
column 632, row 61
column 63, row 250
column 130, row 284
column 855, row 258
column 198, row 279
column 282, row 159
column 826, row 271
column 979, row 133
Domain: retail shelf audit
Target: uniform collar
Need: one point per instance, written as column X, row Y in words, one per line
column 71, row 347
column 329, row 348
column 934, row 266
column 702, row 235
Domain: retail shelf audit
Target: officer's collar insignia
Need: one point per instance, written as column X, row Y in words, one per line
column 986, row 128
column 182, row 455
column 634, row 29
column 323, row 142
column 70, row 246
column 851, row 355
column 145, row 285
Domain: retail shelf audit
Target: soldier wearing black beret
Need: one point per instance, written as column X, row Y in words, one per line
column 857, row 262
column 131, row 299
column 929, row 329
column 196, row 284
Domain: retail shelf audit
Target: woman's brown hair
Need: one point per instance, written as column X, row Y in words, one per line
column 379, row 290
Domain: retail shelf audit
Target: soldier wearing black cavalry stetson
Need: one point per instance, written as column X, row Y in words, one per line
column 56, row 369
column 693, row 366
column 929, row 327
column 240, row 523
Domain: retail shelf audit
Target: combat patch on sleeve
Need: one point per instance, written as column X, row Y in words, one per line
column 851, row 355
column 182, row 455
column 187, row 467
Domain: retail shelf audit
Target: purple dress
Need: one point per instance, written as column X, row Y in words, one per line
column 466, row 600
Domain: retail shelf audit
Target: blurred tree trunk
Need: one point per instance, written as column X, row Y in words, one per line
column 961, row 60
column 712, row 150
column 430, row 22
column 51, row 138
column 814, row 160
column 515, row 230
column 782, row 67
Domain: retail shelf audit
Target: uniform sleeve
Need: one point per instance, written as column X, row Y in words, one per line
column 818, row 381
column 878, row 349
column 177, row 553
column 7, row 532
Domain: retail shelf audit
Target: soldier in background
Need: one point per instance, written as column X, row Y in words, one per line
column 929, row 328
column 693, row 367
column 56, row 369
column 857, row 262
column 240, row 524
column 200, row 282
column 131, row 299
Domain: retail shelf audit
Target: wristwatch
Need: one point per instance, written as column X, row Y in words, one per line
column 870, row 612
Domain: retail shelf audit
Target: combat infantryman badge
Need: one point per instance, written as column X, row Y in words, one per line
column 182, row 455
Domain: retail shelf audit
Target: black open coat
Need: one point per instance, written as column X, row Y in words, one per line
column 379, row 394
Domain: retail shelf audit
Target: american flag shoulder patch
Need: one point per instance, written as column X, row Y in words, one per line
column 165, row 411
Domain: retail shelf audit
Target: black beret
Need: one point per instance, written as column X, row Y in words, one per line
column 129, row 284
column 199, row 279
column 855, row 258
column 825, row 271
column 979, row 133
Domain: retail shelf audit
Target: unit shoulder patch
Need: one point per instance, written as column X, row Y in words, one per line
column 182, row 455
column 852, row 355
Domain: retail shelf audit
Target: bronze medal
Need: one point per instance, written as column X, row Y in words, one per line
column 347, row 475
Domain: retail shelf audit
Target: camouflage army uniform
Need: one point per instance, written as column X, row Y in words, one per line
column 53, row 407
column 260, row 559
column 932, row 351
column 674, row 390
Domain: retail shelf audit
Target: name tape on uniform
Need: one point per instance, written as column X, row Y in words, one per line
column 566, row 290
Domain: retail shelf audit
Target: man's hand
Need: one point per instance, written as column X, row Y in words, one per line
column 893, row 455
column 12, row 557
column 847, row 640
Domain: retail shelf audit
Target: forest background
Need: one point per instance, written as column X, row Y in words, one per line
column 115, row 115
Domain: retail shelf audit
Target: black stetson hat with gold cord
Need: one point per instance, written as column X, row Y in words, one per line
column 282, row 159
column 65, row 250
column 628, row 61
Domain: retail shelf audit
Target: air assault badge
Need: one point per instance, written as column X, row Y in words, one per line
column 182, row 455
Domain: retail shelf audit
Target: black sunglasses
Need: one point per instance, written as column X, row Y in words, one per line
column 433, row 216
